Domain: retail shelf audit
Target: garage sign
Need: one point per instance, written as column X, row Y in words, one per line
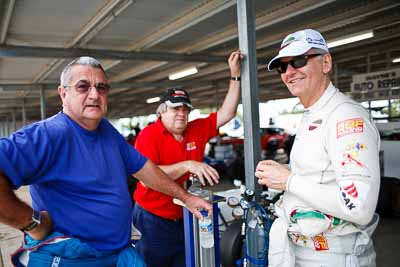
column 376, row 85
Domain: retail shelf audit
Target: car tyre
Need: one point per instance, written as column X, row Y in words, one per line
column 232, row 244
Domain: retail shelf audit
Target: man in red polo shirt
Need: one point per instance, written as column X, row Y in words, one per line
column 177, row 147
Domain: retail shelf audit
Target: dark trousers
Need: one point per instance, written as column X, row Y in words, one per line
column 162, row 243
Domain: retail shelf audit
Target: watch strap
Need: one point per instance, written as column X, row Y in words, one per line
column 36, row 218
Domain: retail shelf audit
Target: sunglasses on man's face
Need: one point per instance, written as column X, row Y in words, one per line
column 295, row 62
column 84, row 87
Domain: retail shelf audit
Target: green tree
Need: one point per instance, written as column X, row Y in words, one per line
column 394, row 109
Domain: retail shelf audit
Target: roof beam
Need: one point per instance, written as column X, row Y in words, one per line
column 184, row 21
column 131, row 84
column 328, row 24
column 100, row 20
column 269, row 19
column 5, row 18
column 297, row 8
column 50, row 52
column 230, row 32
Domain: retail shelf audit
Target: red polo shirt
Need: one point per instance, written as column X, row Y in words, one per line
column 158, row 145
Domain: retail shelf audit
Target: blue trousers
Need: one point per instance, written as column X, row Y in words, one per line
column 58, row 250
column 162, row 243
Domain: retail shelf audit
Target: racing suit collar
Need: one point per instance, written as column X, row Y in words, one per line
column 323, row 100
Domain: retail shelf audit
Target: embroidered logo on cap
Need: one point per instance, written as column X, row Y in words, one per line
column 179, row 93
column 315, row 41
column 288, row 41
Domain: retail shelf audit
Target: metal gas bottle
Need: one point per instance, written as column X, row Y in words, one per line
column 257, row 239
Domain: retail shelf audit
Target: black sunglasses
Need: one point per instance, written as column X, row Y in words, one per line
column 295, row 62
column 84, row 87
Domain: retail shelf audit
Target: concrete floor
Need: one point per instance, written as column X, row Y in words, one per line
column 387, row 242
column 10, row 238
column 386, row 236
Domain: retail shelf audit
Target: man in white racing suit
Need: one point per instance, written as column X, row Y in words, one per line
column 326, row 215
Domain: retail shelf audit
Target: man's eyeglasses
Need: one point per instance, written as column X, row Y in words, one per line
column 84, row 87
column 295, row 62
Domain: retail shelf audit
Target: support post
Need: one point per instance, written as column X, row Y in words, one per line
column 7, row 127
column 42, row 102
column 13, row 121
column 23, row 113
column 250, row 94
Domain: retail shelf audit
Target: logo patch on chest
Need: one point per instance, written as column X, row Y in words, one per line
column 314, row 125
column 191, row 146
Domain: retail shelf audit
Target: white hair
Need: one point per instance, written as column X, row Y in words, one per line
column 161, row 109
column 89, row 61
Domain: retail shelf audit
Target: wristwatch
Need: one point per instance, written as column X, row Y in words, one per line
column 36, row 217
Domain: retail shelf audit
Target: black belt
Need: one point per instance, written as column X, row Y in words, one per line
column 179, row 220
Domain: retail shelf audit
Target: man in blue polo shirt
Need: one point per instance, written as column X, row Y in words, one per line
column 76, row 164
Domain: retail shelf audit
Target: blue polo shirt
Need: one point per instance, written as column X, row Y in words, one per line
column 78, row 176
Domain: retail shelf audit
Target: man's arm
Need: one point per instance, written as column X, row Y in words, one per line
column 355, row 157
column 202, row 170
column 321, row 197
column 146, row 145
column 155, row 178
column 18, row 214
column 228, row 109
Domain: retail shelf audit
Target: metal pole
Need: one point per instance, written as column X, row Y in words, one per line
column 14, row 121
column 2, row 129
column 1, row 256
column 216, row 98
column 42, row 103
column 336, row 75
column 23, row 113
column 7, row 128
column 250, row 95
column 368, row 71
column 388, row 61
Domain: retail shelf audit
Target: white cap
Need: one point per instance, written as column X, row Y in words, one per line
column 298, row 43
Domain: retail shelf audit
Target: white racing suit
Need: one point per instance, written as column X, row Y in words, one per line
column 326, row 216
